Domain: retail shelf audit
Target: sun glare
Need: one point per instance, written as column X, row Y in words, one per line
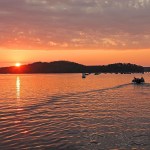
column 17, row 64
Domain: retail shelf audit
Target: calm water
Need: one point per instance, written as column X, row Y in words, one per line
column 59, row 112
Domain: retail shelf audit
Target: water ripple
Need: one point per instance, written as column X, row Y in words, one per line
column 114, row 117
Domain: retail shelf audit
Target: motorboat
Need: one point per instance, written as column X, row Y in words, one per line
column 138, row 80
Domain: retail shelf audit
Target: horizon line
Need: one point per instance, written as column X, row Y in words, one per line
column 28, row 63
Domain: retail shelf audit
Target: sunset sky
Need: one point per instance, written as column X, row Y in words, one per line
column 85, row 31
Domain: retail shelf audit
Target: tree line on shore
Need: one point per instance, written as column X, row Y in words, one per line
column 72, row 67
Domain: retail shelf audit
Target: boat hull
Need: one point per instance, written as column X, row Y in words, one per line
column 138, row 81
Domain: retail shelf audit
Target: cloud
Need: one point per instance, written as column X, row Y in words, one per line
column 75, row 24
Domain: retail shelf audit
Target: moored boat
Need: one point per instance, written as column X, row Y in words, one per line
column 83, row 75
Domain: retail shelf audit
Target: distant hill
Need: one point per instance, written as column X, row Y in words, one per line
column 146, row 69
column 71, row 67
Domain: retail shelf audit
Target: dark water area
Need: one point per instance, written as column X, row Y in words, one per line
column 66, row 112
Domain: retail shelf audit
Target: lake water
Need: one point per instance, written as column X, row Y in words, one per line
column 66, row 112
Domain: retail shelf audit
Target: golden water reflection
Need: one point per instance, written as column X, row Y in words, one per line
column 18, row 87
column 62, row 111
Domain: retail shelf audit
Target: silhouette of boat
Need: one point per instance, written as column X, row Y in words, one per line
column 97, row 73
column 83, row 75
column 138, row 80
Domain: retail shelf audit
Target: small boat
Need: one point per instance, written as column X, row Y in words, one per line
column 83, row 75
column 97, row 73
column 87, row 74
column 138, row 80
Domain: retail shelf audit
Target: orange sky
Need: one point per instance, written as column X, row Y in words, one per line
column 83, row 31
column 87, row 57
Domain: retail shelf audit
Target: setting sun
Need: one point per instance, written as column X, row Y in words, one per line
column 17, row 64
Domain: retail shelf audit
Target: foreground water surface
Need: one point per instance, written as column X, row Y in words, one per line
column 64, row 111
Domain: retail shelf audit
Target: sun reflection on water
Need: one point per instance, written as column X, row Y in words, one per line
column 18, row 88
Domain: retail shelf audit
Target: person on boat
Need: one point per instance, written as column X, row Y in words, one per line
column 138, row 80
column 134, row 80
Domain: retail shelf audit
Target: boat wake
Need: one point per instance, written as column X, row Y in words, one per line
column 58, row 98
column 105, row 89
column 146, row 84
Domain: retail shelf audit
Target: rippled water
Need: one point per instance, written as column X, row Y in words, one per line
column 59, row 112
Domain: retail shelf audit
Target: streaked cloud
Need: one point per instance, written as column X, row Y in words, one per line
column 75, row 24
